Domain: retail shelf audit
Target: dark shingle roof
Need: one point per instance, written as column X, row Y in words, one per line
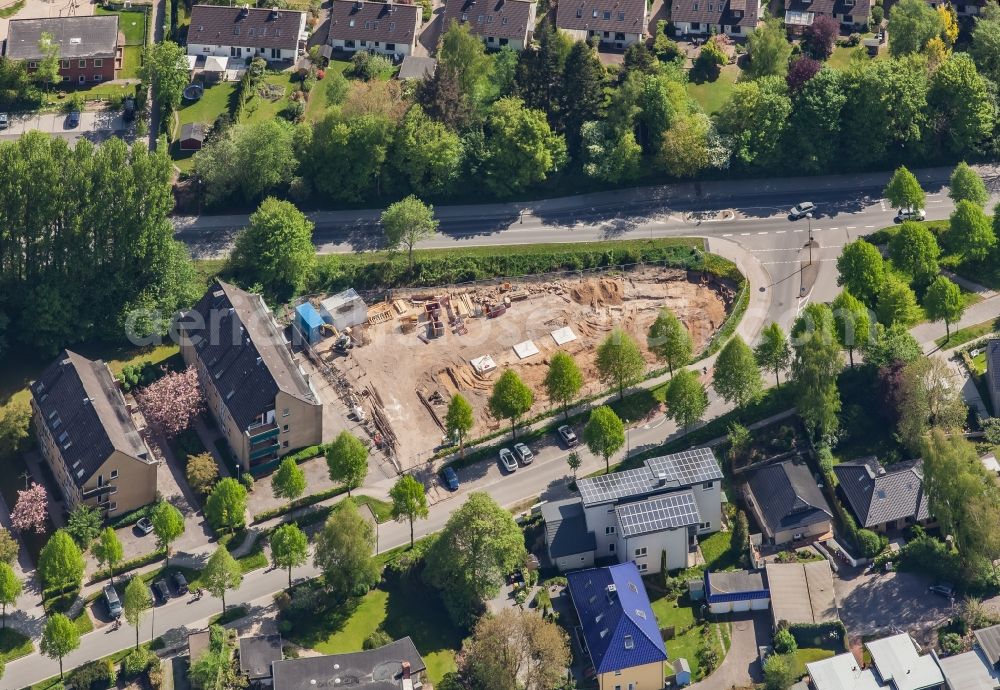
column 626, row 16
column 374, row 669
column 80, row 403
column 993, row 363
column 735, row 585
column 859, row 11
column 77, row 37
column 249, row 27
column 788, row 496
column 373, row 21
column 732, row 13
column 988, row 640
column 193, row 130
column 618, row 623
column 878, row 495
column 257, row 653
column 243, row 352
column 566, row 530
column 501, row 18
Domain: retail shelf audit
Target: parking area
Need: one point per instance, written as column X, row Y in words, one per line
column 878, row 603
column 94, row 125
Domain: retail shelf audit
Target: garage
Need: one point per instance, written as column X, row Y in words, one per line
column 736, row 591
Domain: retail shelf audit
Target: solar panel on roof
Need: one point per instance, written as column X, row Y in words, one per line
column 665, row 512
column 678, row 470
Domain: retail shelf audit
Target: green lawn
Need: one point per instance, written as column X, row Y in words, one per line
column 83, row 622
column 688, row 638
column 713, row 95
column 807, row 655
column 718, row 553
column 213, row 102
column 131, row 23
column 967, row 334
column 381, row 509
column 131, row 61
column 400, row 607
column 318, row 103
column 14, row 645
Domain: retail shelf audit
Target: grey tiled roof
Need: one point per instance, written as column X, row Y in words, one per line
column 859, row 10
column 788, row 496
column 245, row 355
column 626, row 16
column 502, row 18
column 732, row 13
column 374, row 669
column 257, row 653
column 80, row 403
column 219, row 25
column 993, row 363
column 566, row 530
column 373, row 21
column 77, row 37
column 878, row 495
column 988, row 640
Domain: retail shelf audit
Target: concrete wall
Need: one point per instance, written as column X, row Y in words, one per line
column 816, row 530
column 133, row 487
column 602, row 522
column 646, row 677
column 708, row 496
column 574, row 562
column 673, row 541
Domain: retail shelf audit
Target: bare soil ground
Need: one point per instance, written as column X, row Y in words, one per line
column 415, row 374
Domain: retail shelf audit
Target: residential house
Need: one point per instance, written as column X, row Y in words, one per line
column 640, row 515
column 968, row 671
column 884, row 498
column 802, row 593
column 390, row 28
column 243, row 32
column 853, row 15
column 262, row 399
column 619, row 629
column 734, row 18
column 90, row 48
column 787, row 503
column 88, row 437
column 736, row 591
column 257, row 653
column 615, row 23
column 993, row 372
column 972, row 9
column 499, row 23
column 395, row 665
column 896, row 665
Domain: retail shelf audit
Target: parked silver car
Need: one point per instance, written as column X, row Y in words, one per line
column 507, row 460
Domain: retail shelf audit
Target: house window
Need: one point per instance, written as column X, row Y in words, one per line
column 607, row 14
column 707, row 485
column 206, row 49
column 465, row 16
column 351, row 23
column 504, row 41
column 848, row 19
column 284, row 429
column 642, row 568
column 489, row 39
column 98, row 62
column 253, row 31
column 390, row 47
column 275, row 53
column 97, row 77
column 114, row 474
column 619, row 36
column 504, row 22
column 82, row 63
column 392, row 26
column 65, row 78
column 368, row 25
column 65, row 64
column 611, row 548
column 284, row 444
column 277, row 32
column 696, row 7
column 579, row 12
column 711, row 7
column 489, row 19
column 376, row 45
column 236, row 31
column 113, row 507
column 621, row 16
column 640, row 552
column 704, row 525
column 479, row 19
column 82, row 79
column 348, row 44
column 607, row 34
column 364, row 44
column 32, row 64
column 595, row 14
column 610, row 529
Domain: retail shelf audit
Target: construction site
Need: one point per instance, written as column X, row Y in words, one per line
column 397, row 362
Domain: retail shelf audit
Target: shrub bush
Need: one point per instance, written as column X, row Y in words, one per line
column 871, row 543
column 784, row 642
column 136, row 662
column 93, row 675
column 950, row 643
column 379, row 638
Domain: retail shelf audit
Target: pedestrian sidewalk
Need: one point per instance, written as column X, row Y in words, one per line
column 927, row 333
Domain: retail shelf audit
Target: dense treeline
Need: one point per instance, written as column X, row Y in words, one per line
column 85, row 242
column 501, row 123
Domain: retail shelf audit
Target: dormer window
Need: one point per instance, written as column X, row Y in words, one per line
column 629, row 642
column 579, row 12
column 607, row 14
column 595, row 14
column 696, row 7
column 465, row 17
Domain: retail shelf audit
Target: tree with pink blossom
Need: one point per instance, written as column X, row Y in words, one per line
column 31, row 510
column 171, row 403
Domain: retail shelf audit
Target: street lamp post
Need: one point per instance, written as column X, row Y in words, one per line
column 809, row 218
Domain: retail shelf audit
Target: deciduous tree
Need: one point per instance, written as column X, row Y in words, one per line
column 164, row 69
column 563, row 380
column 31, row 510
column 520, row 148
column 275, row 250
column 59, row 638
column 970, row 232
column 246, row 161
column 510, row 399
column 289, row 548
column 736, row 377
column 912, row 23
column 773, row 351
column 407, row 222
column 914, row 250
column 763, row 101
column 604, row 434
column 108, row 550
column 769, row 50
column 928, row 397
column 202, row 472
column 609, row 153
column 9, row 548
column 574, row 461
column 222, row 573
column 172, row 402
column 904, row 191
column 862, row 271
column 670, row 341
column 10, row 589
column 84, row 524
column 168, row 525
column 815, row 366
column 136, row 601
column 226, row 506
column 479, row 546
column 943, row 302
column 347, row 460
column 459, row 419
column 896, row 302
column 891, row 345
column 985, row 48
column 409, row 501
column 582, row 94
column 60, row 563
column 686, row 398
column 289, row 482
column 516, row 648
column 344, row 552
column 962, row 109
column 619, row 361
column 820, row 37
column 967, row 185
column 852, row 321
column 426, row 154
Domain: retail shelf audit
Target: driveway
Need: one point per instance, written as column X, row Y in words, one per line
column 872, row 604
column 740, row 668
column 94, row 125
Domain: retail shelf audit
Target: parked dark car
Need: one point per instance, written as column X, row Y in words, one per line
column 160, row 591
column 73, row 120
column 128, row 110
column 450, row 478
column 180, row 583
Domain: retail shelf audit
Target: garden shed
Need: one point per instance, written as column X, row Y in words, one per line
column 344, row 310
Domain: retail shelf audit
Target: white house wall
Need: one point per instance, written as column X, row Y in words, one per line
column 673, row 541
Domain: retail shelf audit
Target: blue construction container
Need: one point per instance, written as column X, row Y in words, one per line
column 309, row 322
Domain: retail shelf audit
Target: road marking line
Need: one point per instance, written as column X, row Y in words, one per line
column 835, row 228
column 869, row 226
column 852, row 227
column 780, row 232
column 744, row 234
column 727, row 234
column 763, row 232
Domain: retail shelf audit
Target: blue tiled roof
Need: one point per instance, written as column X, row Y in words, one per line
column 617, row 620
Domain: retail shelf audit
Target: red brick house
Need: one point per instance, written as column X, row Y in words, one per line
column 90, row 48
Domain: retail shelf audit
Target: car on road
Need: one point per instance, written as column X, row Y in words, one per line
column 180, row 582
column 144, row 526
column 524, row 453
column 802, row 210
column 161, row 593
column 112, row 600
column 450, row 478
column 507, row 460
column 945, row 589
column 4, row 120
column 910, row 213
column 73, row 120
column 567, row 435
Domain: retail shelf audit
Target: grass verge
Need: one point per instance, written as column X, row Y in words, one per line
column 14, row 645
column 967, row 334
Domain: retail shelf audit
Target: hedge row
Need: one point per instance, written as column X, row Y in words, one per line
column 137, row 562
column 309, row 500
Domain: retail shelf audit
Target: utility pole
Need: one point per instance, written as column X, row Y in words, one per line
column 809, row 218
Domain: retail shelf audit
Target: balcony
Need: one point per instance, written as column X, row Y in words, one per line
column 104, row 490
column 263, row 450
column 261, row 432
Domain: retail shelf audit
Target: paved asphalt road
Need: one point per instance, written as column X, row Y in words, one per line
column 750, row 213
